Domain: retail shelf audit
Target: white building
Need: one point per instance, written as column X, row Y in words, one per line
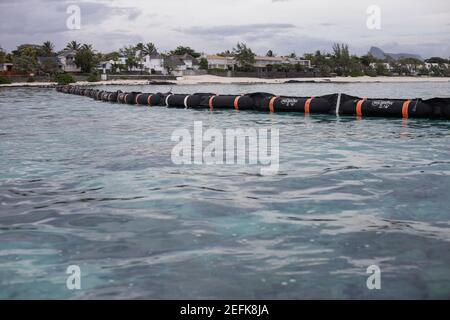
column 297, row 61
column 386, row 65
column 220, row 62
column 263, row 61
column 67, row 60
column 154, row 63
column 229, row 63
column 435, row 65
column 6, row 67
column 109, row 66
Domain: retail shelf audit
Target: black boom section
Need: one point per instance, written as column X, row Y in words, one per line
column 341, row 104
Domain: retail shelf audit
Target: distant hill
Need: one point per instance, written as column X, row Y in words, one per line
column 380, row 54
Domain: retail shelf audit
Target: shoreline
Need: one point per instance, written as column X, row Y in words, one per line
column 210, row 79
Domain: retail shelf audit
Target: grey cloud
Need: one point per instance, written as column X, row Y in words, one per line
column 241, row 30
column 35, row 21
column 47, row 18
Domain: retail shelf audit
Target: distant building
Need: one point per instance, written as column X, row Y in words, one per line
column 181, row 65
column 264, row 62
column 386, row 65
column 108, row 66
column 175, row 65
column 298, row 61
column 67, row 61
column 429, row 65
column 261, row 62
column 190, row 62
column 220, row 62
column 50, row 61
column 154, row 63
column 6, row 67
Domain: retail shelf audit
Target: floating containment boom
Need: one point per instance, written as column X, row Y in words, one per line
column 339, row 104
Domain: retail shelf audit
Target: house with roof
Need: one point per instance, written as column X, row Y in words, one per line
column 108, row 66
column 67, row 61
column 264, row 62
column 6, row 67
column 190, row 62
column 386, row 65
column 174, row 65
column 181, row 65
column 49, row 63
column 261, row 62
column 220, row 62
column 154, row 63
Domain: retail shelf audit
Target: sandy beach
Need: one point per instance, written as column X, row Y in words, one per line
column 210, row 79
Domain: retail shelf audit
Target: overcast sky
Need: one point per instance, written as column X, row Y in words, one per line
column 413, row 26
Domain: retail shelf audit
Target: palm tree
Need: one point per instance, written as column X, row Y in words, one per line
column 87, row 47
column 73, row 45
column 47, row 48
column 128, row 52
column 149, row 48
column 139, row 46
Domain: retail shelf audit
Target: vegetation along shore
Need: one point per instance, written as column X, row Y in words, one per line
column 43, row 65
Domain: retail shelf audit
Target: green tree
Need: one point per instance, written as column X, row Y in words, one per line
column 203, row 64
column 27, row 50
column 111, row 56
column 437, row 60
column 270, row 54
column 244, row 55
column 64, row 78
column 299, row 67
column 321, row 62
column 49, row 67
column 381, row 69
column 25, row 64
column 409, row 66
column 149, row 48
column 180, row 50
column 47, row 49
column 85, row 59
column 169, row 65
column 87, row 47
column 139, row 46
column 2, row 55
column 341, row 59
column 73, row 45
column 226, row 53
column 130, row 55
column 367, row 60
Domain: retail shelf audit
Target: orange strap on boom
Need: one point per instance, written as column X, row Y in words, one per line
column 210, row 103
column 149, row 100
column 359, row 107
column 405, row 109
column 236, row 102
column 271, row 104
column 307, row 108
column 137, row 97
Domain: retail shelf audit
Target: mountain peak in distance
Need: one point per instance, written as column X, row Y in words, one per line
column 380, row 54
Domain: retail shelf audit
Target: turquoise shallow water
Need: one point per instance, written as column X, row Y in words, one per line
column 92, row 184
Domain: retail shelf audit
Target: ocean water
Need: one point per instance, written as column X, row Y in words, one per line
column 92, row 184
